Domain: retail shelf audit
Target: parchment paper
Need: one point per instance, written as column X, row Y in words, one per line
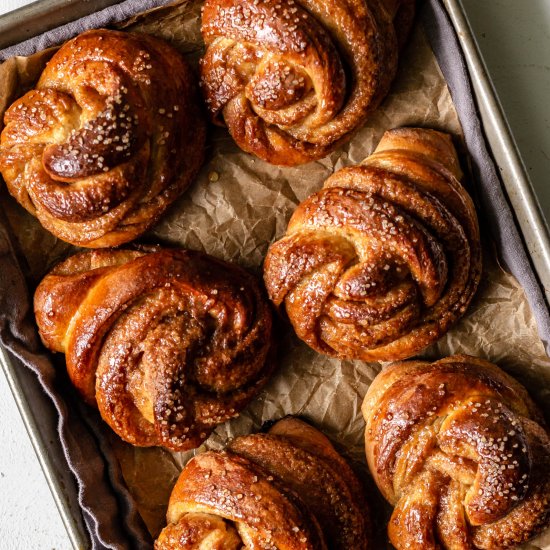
column 237, row 207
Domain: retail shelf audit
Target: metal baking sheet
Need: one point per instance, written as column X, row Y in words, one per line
column 44, row 15
column 505, row 151
column 42, row 429
column 47, row 14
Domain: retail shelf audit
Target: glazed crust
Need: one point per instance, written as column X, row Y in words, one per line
column 168, row 343
column 383, row 260
column 105, row 142
column 293, row 80
column 287, row 489
column 461, row 451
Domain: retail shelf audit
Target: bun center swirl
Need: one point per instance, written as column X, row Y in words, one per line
column 169, row 344
column 288, row 489
column 292, row 79
column 384, row 258
column 456, row 448
column 95, row 150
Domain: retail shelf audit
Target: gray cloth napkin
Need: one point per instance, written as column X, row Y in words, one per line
column 497, row 215
column 107, row 507
column 103, row 18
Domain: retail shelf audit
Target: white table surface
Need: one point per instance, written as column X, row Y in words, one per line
column 514, row 37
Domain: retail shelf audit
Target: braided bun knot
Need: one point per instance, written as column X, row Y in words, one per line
column 276, row 71
column 286, row 490
column 385, row 258
column 457, row 447
column 95, row 150
column 169, row 344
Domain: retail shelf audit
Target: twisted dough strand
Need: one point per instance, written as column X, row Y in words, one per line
column 294, row 79
column 386, row 257
column 460, row 450
column 288, row 489
column 169, row 343
column 106, row 142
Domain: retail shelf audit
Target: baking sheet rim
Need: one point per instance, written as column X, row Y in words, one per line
column 518, row 189
column 74, row 525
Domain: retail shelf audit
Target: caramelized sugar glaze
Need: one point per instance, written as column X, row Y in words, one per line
column 384, row 259
column 167, row 343
column 105, row 142
column 293, row 80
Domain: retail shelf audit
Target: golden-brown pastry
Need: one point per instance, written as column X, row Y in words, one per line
column 460, row 450
column 107, row 140
column 386, row 257
column 293, row 80
column 287, row 490
column 169, row 343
